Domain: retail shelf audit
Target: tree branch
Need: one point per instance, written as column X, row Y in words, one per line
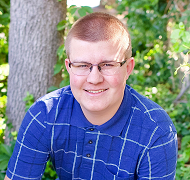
column 168, row 6
column 181, row 93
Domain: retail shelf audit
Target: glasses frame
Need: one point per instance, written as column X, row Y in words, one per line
column 99, row 67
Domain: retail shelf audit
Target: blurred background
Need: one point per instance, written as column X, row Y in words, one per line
column 32, row 57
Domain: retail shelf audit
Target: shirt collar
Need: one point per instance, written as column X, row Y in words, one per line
column 112, row 127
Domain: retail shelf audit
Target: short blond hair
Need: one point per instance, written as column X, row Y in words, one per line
column 100, row 26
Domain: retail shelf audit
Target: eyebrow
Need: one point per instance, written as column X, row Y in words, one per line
column 104, row 61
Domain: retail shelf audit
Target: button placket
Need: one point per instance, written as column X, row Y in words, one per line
column 91, row 129
column 90, row 142
column 88, row 155
column 89, row 146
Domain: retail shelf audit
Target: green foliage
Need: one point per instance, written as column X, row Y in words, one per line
column 3, row 101
column 4, row 29
column 180, row 38
column 5, row 154
column 29, row 100
column 72, row 16
column 4, row 71
column 4, row 67
column 49, row 173
column 147, row 26
column 145, row 23
column 183, row 167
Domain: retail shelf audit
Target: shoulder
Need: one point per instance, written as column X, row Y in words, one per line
column 150, row 113
column 57, row 98
column 64, row 92
column 50, row 105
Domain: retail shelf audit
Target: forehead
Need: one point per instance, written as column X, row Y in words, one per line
column 101, row 50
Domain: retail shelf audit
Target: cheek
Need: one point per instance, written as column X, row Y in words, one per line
column 76, row 81
column 117, row 81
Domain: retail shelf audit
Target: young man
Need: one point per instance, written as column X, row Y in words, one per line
column 98, row 128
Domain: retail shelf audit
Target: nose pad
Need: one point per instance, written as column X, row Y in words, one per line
column 95, row 75
column 99, row 68
column 91, row 68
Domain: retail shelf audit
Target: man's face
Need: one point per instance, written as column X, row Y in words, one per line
column 96, row 92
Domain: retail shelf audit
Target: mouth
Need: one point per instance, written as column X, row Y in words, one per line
column 96, row 91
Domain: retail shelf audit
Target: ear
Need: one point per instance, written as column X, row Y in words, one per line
column 130, row 66
column 67, row 61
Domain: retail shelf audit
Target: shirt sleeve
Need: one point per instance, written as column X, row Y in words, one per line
column 31, row 151
column 159, row 161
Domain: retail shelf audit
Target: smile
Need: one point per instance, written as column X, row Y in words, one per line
column 97, row 91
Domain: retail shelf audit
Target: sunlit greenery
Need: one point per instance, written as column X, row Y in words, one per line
column 161, row 43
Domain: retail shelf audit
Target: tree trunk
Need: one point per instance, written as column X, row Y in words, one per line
column 33, row 42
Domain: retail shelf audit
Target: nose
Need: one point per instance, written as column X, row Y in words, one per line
column 95, row 75
column 99, row 68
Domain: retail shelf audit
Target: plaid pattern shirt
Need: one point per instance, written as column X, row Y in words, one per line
column 139, row 142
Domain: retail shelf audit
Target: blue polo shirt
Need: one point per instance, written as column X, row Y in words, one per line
column 138, row 142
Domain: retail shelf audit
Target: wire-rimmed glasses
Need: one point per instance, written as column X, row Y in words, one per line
column 108, row 68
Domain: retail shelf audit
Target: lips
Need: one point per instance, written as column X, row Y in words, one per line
column 96, row 91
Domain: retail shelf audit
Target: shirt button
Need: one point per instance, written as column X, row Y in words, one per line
column 90, row 141
column 88, row 155
column 91, row 129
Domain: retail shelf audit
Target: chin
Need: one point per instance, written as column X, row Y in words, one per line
column 94, row 109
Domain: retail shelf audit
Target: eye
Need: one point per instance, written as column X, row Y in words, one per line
column 81, row 65
column 107, row 64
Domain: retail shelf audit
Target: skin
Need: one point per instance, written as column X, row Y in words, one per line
column 6, row 178
column 98, row 95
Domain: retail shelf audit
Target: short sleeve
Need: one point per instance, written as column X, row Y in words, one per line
column 159, row 161
column 31, row 151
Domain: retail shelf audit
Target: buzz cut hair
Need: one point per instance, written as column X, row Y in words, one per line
column 97, row 27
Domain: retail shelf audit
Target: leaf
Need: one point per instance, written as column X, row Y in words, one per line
column 176, row 47
column 185, row 141
column 175, row 34
column 181, row 49
column 72, row 6
column 61, row 25
column 87, row 9
column 2, row 176
column 186, row 37
column 61, row 50
column 6, row 149
column 181, row 26
column 4, row 164
column 52, row 88
column 82, row 12
column 73, row 10
column 4, row 157
column 57, row 68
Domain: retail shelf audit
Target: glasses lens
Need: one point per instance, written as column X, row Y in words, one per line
column 80, row 69
column 109, row 68
column 106, row 68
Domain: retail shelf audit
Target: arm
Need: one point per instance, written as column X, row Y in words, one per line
column 159, row 161
column 31, row 150
column 6, row 178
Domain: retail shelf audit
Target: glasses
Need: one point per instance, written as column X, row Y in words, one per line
column 105, row 68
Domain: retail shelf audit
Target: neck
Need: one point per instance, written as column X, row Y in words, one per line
column 97, row 118
column 100, row 117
